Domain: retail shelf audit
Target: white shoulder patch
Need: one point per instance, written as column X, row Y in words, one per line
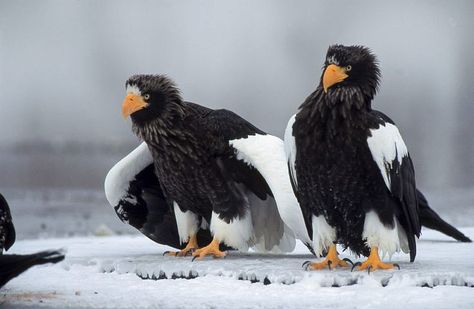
column 266, row 153
column 386, row 145
column 119, row 177
column 290, row 148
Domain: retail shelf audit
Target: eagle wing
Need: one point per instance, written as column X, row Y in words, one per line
column 290, row 151
column 258, row 160
column 396, row 168
column 134, row 190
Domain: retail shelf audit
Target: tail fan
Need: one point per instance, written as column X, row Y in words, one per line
column 430, row 219
column 12, row 265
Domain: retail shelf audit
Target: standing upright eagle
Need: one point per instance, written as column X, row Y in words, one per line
column 351, row 170
column 208, row 169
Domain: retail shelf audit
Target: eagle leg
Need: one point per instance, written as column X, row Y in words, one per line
column 211, row 249
column 331, row 261
column 374, row 262
column 190, row 247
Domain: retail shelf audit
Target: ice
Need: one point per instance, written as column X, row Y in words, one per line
column 131, row 272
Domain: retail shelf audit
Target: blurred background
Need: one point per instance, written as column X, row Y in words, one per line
column 63, row 65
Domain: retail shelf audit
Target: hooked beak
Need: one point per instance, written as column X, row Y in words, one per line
column 332, row 75
column 132, row 104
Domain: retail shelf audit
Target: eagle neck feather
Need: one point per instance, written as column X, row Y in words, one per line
column 335, row 114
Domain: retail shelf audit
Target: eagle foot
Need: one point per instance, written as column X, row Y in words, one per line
column 211, row 249
column 374, row 262
column 331, row 261
column 191, row 246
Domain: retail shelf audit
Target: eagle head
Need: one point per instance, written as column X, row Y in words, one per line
column 350, row 67
column 151, row 97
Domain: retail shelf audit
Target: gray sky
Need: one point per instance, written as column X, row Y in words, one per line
column 63, row 65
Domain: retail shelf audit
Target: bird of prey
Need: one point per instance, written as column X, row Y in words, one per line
column 210, row 170
column 12, row 265
column 351, row 170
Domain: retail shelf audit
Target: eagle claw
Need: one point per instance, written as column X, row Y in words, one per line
column 355, row 265
column 348, row 261
column 306, row 265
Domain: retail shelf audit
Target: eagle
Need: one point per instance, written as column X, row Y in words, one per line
column 12, row 265
column 351, row 170
column 202, row 178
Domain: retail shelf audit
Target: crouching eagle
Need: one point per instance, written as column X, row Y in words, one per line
column 202, row 172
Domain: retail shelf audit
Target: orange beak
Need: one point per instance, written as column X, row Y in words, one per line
column 334, row 74
column 132, row 104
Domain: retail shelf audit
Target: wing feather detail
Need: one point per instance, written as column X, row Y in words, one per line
column 390, row 154
column 117, row 181
column 266, row 154
column 133, row 190
column 388, row 150
column 290, row 150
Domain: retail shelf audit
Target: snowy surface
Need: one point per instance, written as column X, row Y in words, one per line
column 130, row 272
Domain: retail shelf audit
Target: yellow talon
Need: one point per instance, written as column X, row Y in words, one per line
column 331, row 261
column 192, row 245
column 211, row 249
column 374, row 262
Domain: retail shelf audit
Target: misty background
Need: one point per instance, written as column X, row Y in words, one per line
column 63, row 65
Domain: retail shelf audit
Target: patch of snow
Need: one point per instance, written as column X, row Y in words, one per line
column 109, row 272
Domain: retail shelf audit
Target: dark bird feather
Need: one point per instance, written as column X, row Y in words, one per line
column 12, row 265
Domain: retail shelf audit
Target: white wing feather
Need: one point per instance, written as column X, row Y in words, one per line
column 119, row 177
column 386, row 144
column 266, row 153
column 290, row 149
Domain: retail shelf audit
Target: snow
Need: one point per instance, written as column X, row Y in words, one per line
column 107, row 272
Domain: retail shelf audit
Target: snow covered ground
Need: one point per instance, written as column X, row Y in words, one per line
column 130, row 272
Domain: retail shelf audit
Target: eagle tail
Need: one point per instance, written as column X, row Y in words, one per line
column 12, row 265
column 430, row 219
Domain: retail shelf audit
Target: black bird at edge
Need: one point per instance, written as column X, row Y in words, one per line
column 351, row 170
column 12, row 265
